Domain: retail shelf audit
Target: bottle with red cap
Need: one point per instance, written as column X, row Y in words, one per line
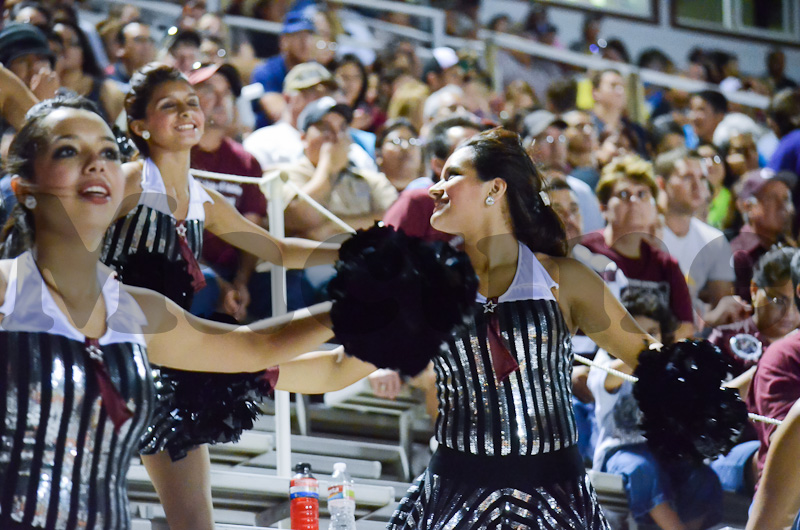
column 304, row 499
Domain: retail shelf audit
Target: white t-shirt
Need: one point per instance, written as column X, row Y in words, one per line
column 282, row 144
column 617, row 413
column 703, row 255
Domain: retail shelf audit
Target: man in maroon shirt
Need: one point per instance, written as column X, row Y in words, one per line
column 217, row 86
column 412, row 210
column 627, row 191
column 765, row 201
column 776, row 383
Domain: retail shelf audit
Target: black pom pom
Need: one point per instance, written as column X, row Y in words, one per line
column 396, row 298
column 154, row 271
column 686, row 415
column 206, row 408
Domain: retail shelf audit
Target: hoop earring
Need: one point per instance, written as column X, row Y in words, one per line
column 29, row 202
column 489, row 200
column 145, row 135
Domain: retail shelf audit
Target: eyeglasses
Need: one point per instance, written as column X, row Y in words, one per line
column 551, row 139
column 322, row 44
column 628, row 196
column 402, row 143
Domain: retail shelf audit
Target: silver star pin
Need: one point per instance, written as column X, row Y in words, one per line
column 489, row 306
column 181, row 230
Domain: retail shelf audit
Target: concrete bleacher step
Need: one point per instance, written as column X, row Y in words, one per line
column 258, row 493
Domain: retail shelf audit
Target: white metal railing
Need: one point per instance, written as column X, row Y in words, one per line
column 276, row 181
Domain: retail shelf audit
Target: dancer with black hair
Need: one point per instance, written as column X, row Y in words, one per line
column 507, row 438
column 156, row 244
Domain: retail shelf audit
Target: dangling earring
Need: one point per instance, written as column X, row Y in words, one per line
column 29, row 202
column 146, row 135
column 489, row 200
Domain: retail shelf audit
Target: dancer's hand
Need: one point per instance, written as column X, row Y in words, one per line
column 385, row 383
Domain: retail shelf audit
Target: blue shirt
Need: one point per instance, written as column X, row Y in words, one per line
column 270, row 74
column 787, row 155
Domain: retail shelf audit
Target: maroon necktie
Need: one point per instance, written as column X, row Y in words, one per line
column 504, row 363
column 113, row 401
column 192, row 267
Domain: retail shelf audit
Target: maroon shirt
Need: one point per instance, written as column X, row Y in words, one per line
column 775, row 388
column 721, row 338
column 230, row 158
column 412, row 212
column 747, row 247
column 654, row 269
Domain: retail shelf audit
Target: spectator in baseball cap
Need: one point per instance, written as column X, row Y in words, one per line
column 765, row 201
column 24, row 50
column 296, row 46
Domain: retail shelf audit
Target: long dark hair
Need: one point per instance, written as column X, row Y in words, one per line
column 498, row 153
column 18, row 233
column 89, row 66
column 143, row 83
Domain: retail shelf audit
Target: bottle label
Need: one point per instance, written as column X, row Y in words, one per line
column 340, row 491
column 304, row 487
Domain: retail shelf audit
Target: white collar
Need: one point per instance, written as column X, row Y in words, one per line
column 154, row 193
column 531, row 281
column 29, row 307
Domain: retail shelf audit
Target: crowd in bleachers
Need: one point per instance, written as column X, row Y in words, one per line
column 685, row 203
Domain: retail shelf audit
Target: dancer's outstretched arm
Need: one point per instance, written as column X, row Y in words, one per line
column 178, row 339
column 322, row 371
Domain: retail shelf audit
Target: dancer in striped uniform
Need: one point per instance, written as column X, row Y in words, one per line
column 157, row 245
column 507, row 454
column 77, row 391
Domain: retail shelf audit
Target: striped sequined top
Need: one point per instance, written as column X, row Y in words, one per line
column 63, row 463
column 530, row 411
column 143, row 247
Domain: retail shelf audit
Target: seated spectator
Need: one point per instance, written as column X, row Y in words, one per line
column 296, row 45
column 784, row 119
column 582, row 143
column 442, row 69
column 721, row 210
column 776, row 382
column 667, row 134
column 610, row 106
column 217, row 86
column 34, row 13
column 673, row 495
column 351, row 75
column 708, row 109
column 590, row 32
column 359, row 197
column 544, row 140
column 776, row 72
column 25, row 52
column 702, row 251
column 413, row 209
column 400, row 153
column 183, row 50
column 774, row 311
column 519, row 97
column 136, row 49
column 627, row 191
column 80, row 72
column 281, row 143
column 765, row 201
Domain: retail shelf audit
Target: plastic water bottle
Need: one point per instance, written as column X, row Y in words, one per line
column 341, row 499
column 304, row 499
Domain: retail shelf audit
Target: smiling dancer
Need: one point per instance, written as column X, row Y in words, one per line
column 156, row 245
column 75, row 343
column 507, row 438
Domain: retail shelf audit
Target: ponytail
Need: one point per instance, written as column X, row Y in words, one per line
column 18, row 233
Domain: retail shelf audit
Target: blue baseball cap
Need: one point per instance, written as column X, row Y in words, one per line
column 295, row 22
